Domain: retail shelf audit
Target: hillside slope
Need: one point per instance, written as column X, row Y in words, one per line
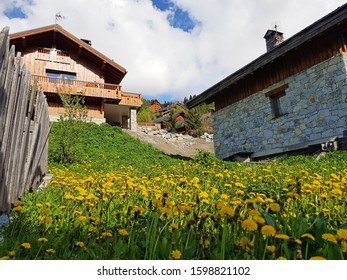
column 184, row 147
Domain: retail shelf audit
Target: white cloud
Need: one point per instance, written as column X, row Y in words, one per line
column 162, row 60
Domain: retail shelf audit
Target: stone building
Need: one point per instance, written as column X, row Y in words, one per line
column 291, row 98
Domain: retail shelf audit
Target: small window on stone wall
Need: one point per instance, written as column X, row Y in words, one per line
column 275, row 96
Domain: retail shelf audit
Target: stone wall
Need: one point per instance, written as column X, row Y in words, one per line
column 314, row 110
column 133, row 121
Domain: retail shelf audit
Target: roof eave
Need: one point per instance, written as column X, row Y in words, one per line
column 313, row 30
column 58, row 28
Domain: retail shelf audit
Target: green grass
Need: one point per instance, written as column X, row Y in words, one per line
column 121, row 199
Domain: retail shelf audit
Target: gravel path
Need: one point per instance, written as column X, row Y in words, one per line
column 182, row 147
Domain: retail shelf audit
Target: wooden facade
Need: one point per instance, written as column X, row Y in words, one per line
column 155, row 105
column 60, row 62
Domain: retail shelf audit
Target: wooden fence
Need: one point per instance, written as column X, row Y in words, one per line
column 24, row 127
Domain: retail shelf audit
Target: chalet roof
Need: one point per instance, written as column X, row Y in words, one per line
column 321, row 26
column 56, row 35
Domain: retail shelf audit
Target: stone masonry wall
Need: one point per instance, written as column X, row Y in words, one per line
column 314, row 110
column 133, row 121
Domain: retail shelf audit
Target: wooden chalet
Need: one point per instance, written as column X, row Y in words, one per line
column 61, row 62
column 155, row 105
column 292, row 97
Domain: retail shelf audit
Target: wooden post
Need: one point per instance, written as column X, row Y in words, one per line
column 23, row 153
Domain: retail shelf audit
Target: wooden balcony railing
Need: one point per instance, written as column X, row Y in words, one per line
column 91, row 89
column 53, row 55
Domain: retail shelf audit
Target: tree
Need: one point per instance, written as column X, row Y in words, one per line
column 193, row 122
column 74, row 105
column 70, row 126
column 145, row 114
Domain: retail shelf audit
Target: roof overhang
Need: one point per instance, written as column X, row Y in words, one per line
column 321, row 26
column 55, row 34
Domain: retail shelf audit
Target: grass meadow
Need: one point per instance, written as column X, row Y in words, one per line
column 120, row 199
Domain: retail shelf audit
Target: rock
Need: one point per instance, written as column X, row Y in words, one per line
column 4, row 220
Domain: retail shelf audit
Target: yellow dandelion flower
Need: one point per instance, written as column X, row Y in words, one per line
column 254, row 212
column 282, row 236
column 4, row 258
column 249, row 225
column 342, row 234
column 275, row 207
column 39, row 205
column 50, row 251
column 195, row 180
column 42, row 240
column 268, row 230
column 46, row 211
column 281, row 259
column 26, row 245
column 166, row 211
column 106, row 234
column 298, row 241
column 259, row 220
column 17, row 208
column 227, row 211
column 69, row 196
column 206, row 215
column 240, row 185
column 271, row 249
column 80, row 244
column 176, row 254
column 250, row 201
column 240, row 192
column 308, row 235
column 93, row 229
column 82, row 218
column 244, row 241
column 183, row 207
column 317, row 258
column 123, row 232
column 329, row 237
column 11, row 253
column 18, row 202
column 138, row 209
column 80, row 198
column 344, row 246
column 173, row 227
column 62, row 207
column 206, row 243
column 203, row 195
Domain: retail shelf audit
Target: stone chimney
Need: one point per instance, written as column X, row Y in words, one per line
column 273, row 38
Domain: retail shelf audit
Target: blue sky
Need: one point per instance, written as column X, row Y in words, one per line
column 171, row 49
column 177, row 17
column 15, row 12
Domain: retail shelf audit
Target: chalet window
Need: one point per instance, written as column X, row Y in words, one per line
column 60, row 77
column 275, row 96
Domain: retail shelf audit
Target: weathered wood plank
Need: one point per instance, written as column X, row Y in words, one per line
column 23, row 153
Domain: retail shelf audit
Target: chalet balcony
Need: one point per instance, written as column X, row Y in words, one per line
column 111, row 92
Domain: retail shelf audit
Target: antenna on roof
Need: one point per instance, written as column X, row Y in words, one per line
column 276, row 26
column 59, row 16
